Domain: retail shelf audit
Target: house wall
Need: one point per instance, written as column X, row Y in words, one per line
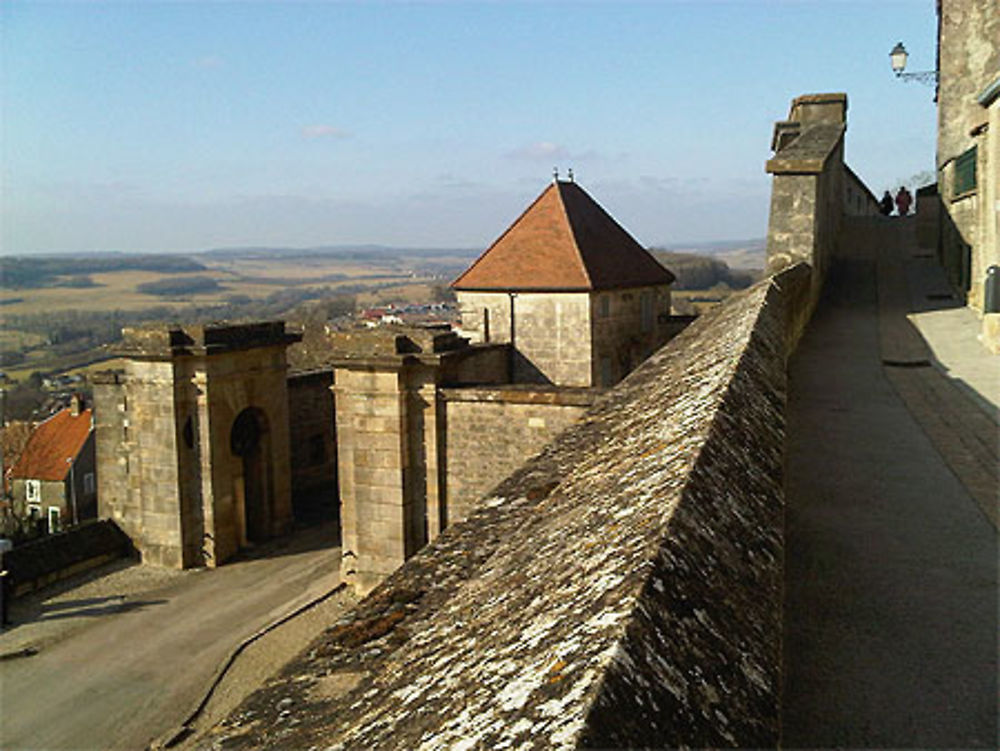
column 551, row 332
column 50, row 493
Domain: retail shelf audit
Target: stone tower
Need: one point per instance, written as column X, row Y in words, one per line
column 580, row 301
column 193, row 440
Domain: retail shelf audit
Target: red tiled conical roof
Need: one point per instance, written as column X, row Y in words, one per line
column 564, row 241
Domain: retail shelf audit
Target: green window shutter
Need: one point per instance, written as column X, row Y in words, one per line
column 965, row 172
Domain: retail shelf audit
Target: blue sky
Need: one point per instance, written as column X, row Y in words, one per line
column 186, row 126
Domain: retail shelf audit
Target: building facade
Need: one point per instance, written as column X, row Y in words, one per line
column 968, row 151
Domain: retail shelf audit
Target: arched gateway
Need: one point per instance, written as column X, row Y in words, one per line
column 193, row 440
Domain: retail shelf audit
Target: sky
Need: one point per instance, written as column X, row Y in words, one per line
column 184, row 126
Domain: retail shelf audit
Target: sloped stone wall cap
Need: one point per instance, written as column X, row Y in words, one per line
column 809, row 152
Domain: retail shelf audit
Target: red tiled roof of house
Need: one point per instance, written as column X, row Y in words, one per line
column 53, row 442
column 563, row 241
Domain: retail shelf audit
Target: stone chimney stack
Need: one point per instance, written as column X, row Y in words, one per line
column 75, row 404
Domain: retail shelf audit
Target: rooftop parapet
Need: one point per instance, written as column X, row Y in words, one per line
column 165, row 341
column 387, row 341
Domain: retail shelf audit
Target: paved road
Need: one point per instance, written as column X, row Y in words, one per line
column 135, row 674
column 891, row 567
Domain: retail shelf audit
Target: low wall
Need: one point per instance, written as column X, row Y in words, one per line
column 621, row 589
column 54, row 557
column 493, row 431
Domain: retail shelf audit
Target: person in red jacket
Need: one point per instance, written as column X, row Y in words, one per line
column 903, row 201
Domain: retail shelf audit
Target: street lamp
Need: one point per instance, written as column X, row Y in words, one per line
column 898, row 57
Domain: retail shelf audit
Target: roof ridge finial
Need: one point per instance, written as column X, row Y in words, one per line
column 555, row 174
column 571, row 174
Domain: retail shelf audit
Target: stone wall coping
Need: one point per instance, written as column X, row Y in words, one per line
column 809, row 152
column 362, row 361
column 523, row 394
column 108, row 377
column 828, row 98
column 164, row 342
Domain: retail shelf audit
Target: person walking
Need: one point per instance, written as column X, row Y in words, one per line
column 885, row 205
column 903, row 200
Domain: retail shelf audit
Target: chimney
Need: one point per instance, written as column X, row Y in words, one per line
column 75, row 405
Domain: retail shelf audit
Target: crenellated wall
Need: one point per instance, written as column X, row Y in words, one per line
column 621, row 589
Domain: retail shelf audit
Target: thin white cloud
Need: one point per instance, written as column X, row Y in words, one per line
column 208, row 62
column 324, row 131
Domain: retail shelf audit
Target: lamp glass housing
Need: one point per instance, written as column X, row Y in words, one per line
column 898, row 57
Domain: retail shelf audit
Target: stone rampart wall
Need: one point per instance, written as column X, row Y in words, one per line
column 492, row 432
column 622, row 589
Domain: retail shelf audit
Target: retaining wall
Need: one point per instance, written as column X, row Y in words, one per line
column 54, row 557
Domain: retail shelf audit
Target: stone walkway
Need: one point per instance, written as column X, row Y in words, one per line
column 891, row 559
